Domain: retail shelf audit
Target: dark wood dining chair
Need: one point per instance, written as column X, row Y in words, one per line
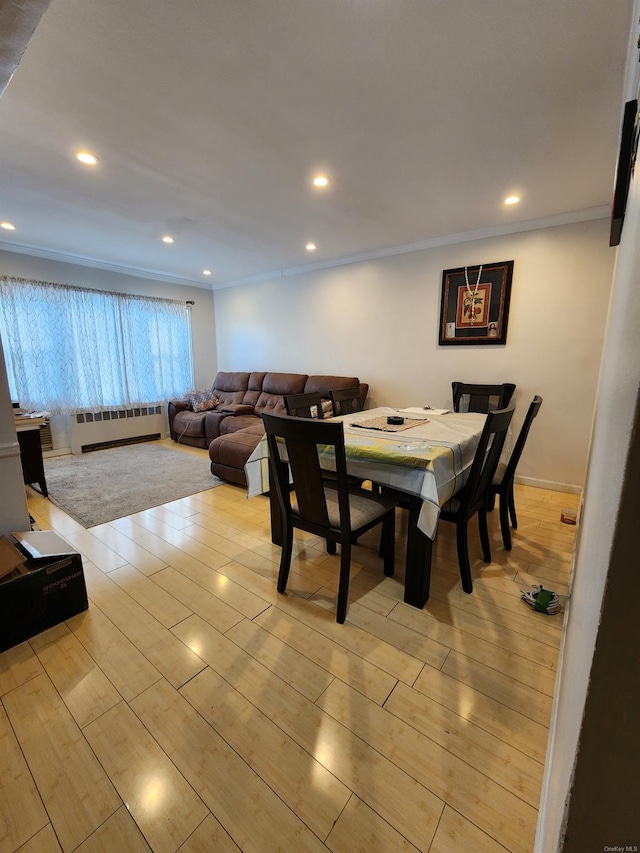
column 472, row 498
column 468, row 397
column 345, row 401
column 333, row 511
column 504, row 477
column 310, row 406
column 304, row 405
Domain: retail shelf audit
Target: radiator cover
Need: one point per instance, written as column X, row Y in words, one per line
column 97, row 430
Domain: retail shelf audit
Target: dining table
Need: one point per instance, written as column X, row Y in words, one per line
column 426, row 458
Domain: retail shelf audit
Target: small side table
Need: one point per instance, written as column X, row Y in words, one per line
column 31, row 455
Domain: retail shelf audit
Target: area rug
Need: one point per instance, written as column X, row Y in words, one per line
column 97, row 487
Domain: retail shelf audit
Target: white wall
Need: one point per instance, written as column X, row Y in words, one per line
column 600, row 636
column 13, row 501
column 379, row 320
column 202, row 313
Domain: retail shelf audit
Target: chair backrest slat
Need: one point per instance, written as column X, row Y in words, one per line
column 512, row 464
column 301, row 405
column 486, row 458
column 346, row 401
column 307, row 481
column 481, row 398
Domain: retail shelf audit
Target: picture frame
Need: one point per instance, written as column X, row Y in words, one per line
column 474, row 306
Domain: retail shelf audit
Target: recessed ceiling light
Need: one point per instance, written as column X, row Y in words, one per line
column 512, row 199
column 320, row 181
column 9, row 226
column 206, row 272
column 311, row 247
column 167, row 239
column 87, row 158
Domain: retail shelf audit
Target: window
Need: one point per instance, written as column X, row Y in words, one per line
column 70, row 349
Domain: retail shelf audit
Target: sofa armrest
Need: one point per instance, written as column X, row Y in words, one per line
column 236, row 409
column 173, row 407
column 212, row 421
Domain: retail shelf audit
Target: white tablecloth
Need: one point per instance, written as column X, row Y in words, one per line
column 430, row 461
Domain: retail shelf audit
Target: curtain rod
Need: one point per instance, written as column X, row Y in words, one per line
column 18, row 280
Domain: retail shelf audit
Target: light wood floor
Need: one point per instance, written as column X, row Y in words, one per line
column 194, row 708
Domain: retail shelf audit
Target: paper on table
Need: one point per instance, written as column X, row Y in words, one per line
column 416, row 411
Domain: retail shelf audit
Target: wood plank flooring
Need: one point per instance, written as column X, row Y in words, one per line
column 192, row 708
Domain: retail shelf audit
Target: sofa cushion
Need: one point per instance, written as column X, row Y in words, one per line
column 234, row 450
column 270, row 403
column 189, row 423
column 231, row 381
column 235, row 423
column 323, row 384
column 254, row 389
column 256, row 380
column 275, row 386
column 230, row 388
column 235, row 409
column 256, row 428
column 284, row 383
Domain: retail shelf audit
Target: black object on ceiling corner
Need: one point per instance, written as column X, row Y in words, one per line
column 626, row 158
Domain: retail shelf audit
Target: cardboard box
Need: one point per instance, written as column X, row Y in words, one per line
column 49, row 592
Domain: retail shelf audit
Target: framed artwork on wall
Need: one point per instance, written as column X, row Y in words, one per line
column 474, row 306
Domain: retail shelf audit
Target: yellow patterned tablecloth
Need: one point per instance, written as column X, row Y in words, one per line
column 430, row 461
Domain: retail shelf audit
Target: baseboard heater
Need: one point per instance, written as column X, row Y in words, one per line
column 46, row 438
column 100, row 430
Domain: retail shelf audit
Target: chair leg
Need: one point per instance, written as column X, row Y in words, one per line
column 285, row 557
column 388, row 543
column 331, row 546
column 463, row 556
column 343, row 585
column 484, row 535
column 491, row 501
column 512, row 508
column 504, row 521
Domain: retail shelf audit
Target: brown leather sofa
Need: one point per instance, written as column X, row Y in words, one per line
column 233, row 428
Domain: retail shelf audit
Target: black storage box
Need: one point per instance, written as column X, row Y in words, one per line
column 50, row 591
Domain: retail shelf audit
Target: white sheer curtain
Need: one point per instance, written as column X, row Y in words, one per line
column 72, row 350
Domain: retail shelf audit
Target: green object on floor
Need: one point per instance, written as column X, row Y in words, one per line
column 543, row 599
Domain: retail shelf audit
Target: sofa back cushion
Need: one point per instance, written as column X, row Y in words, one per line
column 274, row 387
column 230, row 388
column 254, row 388
column 231, row 381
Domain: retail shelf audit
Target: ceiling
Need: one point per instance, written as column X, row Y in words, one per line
column 211, row 117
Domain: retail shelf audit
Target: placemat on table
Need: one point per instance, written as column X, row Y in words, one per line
column 381, row 424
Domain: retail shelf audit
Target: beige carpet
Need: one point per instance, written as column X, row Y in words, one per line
column 106, row 484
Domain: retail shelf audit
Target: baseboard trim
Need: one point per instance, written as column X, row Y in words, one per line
column 56, row 451
column 9, row 450
column 549, row 484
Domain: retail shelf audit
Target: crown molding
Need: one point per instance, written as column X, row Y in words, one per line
column 569, row 218
column 79, row 260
